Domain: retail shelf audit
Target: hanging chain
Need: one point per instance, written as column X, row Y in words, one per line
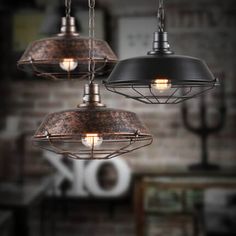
column 161, row 16
column 68, row 7
column 91, row 64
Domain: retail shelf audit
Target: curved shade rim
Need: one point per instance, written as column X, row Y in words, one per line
column 104, row 121
column 121, row 136
column 173, row 82
column 161, row 56
column 177, row 69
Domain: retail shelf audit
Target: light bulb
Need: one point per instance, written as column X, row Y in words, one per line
column 68, row 64
column 92, row 140
column 161, row 84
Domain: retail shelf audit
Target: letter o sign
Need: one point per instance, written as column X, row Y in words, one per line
column 123, row 178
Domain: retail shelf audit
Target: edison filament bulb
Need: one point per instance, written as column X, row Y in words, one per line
column 161, row 85
column 92, row 140
column 68, row 64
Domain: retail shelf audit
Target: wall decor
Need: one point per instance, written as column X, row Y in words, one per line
column 203, row 130
column 135, row 42
column 82, row 176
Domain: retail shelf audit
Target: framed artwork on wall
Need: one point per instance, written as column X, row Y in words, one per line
column 135, row 42
column 170, row 225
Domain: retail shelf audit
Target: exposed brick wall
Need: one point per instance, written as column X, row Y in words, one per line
column 202, row 29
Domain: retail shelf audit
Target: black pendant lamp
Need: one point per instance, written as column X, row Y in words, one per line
column 92, row 131
column 66, row 55
column 161, row 77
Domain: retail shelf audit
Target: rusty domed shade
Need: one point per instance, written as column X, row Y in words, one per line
column 66, row 55
column 92, row 131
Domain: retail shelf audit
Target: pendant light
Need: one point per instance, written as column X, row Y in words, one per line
column 92, row 131
column 66, row 54
column 161, row 77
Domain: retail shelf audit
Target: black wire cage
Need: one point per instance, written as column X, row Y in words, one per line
column 161, row 79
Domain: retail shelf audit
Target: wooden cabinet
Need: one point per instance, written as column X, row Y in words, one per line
column 174, row 200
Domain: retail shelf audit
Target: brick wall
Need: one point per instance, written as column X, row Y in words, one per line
column 202, row 29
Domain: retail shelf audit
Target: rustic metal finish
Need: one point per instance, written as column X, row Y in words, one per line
column 121, row 131
column 75, row 123
column 42, row 57
column 92, row 97
column 68, row 26
column 56, row 48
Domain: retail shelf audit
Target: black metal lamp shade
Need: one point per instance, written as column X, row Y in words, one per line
column 92, row 131
column 181, row 76
column 67, row 55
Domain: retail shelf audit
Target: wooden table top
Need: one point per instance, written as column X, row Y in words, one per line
column 182, row 172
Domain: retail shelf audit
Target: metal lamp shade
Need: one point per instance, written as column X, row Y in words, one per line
column 43, row 57
column 134, row 78
column 121, row 132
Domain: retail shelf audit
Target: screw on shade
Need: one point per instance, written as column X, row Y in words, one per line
column 137, row 78
column 44, row 57
column 92, row 131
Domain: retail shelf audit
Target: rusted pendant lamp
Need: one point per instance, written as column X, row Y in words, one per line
column 66, row 55
column 161, row 77
column 92, row 131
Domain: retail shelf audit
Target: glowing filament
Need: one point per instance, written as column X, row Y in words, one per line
column 92, row 140
column 161, row 85
column 68, row 64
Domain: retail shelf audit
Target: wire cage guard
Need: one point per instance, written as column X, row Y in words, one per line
column 43, row 58
column 161, row 79
column 92, row 131
column 110, row 148
column 148, row 95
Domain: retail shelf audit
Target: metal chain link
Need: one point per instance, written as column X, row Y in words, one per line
column 68, row 7
column 91, row 64
column 161, row 16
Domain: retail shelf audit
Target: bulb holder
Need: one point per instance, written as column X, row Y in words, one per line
column 92, row 97
column 68, row 27
column 160, row 44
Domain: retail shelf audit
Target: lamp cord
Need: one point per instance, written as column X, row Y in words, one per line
column 91, row 64
column 68, row 7
column 161, row 16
